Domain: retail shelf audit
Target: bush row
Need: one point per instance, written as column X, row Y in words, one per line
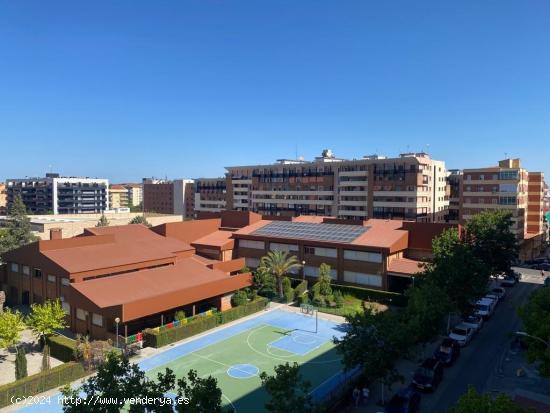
column 199, row 325
column 62, row 348
column 41, row 382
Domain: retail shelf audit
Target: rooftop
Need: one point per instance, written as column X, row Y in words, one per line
column 312, row 231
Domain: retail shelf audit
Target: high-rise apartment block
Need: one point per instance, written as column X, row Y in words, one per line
column 412, row 186
column 118, row 196
column 507, row 187
column 168, row 197
column 210, row 195
column 60, row 195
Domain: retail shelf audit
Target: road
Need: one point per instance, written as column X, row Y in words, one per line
column 480, row 361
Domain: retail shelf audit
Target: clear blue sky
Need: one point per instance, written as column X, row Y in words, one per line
column 127, row 89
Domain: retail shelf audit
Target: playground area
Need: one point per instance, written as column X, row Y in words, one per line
column 236, row 355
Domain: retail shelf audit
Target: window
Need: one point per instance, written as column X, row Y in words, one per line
column 275, row 246
column 310, row 271
column 65, row 281
column 81, row 314
column 321, row 252
column 246, row 243
column 309, row 250
column 66, row 307
column 14, row 267
column 97, row 320
column 374, row 280
column 363, row 256
column 51, row 278
column 37, row 273
column 252, row 262
column 26, row 270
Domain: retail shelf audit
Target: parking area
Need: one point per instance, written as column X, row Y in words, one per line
column 487, row 361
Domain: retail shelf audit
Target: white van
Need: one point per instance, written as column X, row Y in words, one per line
column 484, row 308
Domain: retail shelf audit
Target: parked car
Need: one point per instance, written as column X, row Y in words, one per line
column 406, row 400
column 499, row 292
column 462, row 334
column 475, row 322
column 547, row 282
column 447, row 352
column 545, row 267
column 428, row 376
column 491, row 296
column 509, row 281
column 484, row 308
column 514, row 273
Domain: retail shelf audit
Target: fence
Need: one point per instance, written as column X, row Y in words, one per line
column 176, row 331
column 41, row 382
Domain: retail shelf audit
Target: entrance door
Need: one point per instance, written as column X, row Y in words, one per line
column 25, row 298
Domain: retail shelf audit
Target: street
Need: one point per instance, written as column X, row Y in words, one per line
column 480, row 362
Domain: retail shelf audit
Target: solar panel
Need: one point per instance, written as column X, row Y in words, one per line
column 312, row 231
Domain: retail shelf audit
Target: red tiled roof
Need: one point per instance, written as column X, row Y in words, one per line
column 220, row 240
column 405, row 266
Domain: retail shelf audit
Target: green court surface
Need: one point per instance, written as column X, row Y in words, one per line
column 236, row 356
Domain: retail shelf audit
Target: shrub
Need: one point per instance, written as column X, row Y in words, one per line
column 318, row 300
column 41, row 382
column 180, row 315
column 303, row 299
column 300, row 289
column 61, row 347
column 338, row 299
column 244, row 270
column 288, row 295
column 239, row 298
column 20, row 364
column 242, row 311
column 286, row 283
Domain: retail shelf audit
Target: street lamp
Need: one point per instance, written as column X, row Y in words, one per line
column 117, row 320
column 303, row 270
column 524, row 334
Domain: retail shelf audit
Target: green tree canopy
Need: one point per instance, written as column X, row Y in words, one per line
column 536, row 321
column 489, row 233
column 279, row 263
column 322, row 286
column 17, row 231
column 473, row 402
column 11, row 326
column 45, row 319
column 202, row 393
column 288, row 391
column 140, row 219
column 374, row 341
column 456, row 270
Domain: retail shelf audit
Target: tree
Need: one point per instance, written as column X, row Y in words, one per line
column 288, row 391
column 322, row 286
column 140, row 219
column 17, row 231
column 20, row 364
column 103, row 221
column 374, row 341
column 473, row 402
column 535, row 315
column 489, row 233
column 117, row 379
column 455, row 269
column 262, row 280
column 239, row 298
column 11, row 326
column 44, row 320
column 279, row 263
column 426, row 307
column 202, row 394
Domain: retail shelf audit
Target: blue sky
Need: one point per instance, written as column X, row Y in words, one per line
column 127, row 89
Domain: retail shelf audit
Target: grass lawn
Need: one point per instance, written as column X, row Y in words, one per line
column 352, row 305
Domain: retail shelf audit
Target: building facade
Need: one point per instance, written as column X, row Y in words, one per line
column 169, row 197
column 135, row 194
column 60, row 195
column 412, row 186
column 118, row 196
column 3, row 199
column 210, row 195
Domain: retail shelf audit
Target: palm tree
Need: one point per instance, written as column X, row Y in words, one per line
column 279, row 263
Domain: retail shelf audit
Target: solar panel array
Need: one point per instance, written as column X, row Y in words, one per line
column 311, row 231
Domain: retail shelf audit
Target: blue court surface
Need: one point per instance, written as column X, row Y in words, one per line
column 237, row 354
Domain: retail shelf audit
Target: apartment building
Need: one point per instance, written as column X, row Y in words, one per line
column 412, row 186
column 118, row 196
column 135, row 194
column 60, row 195
column 512, row 188
column 210, row 195
column 3, row 199
column 129, row 273
column 454, row 181
column 168, row 197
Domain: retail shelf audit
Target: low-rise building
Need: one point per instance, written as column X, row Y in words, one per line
column 129, row 273
column 118, row 196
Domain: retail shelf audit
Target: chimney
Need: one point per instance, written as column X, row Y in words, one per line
column 56, row 233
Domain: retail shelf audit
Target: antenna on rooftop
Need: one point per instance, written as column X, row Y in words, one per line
column 505, row 155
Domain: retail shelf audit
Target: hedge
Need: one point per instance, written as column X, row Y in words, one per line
column 41, row 382
column 159, row 338
column 384, row 297
column 61, row 347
